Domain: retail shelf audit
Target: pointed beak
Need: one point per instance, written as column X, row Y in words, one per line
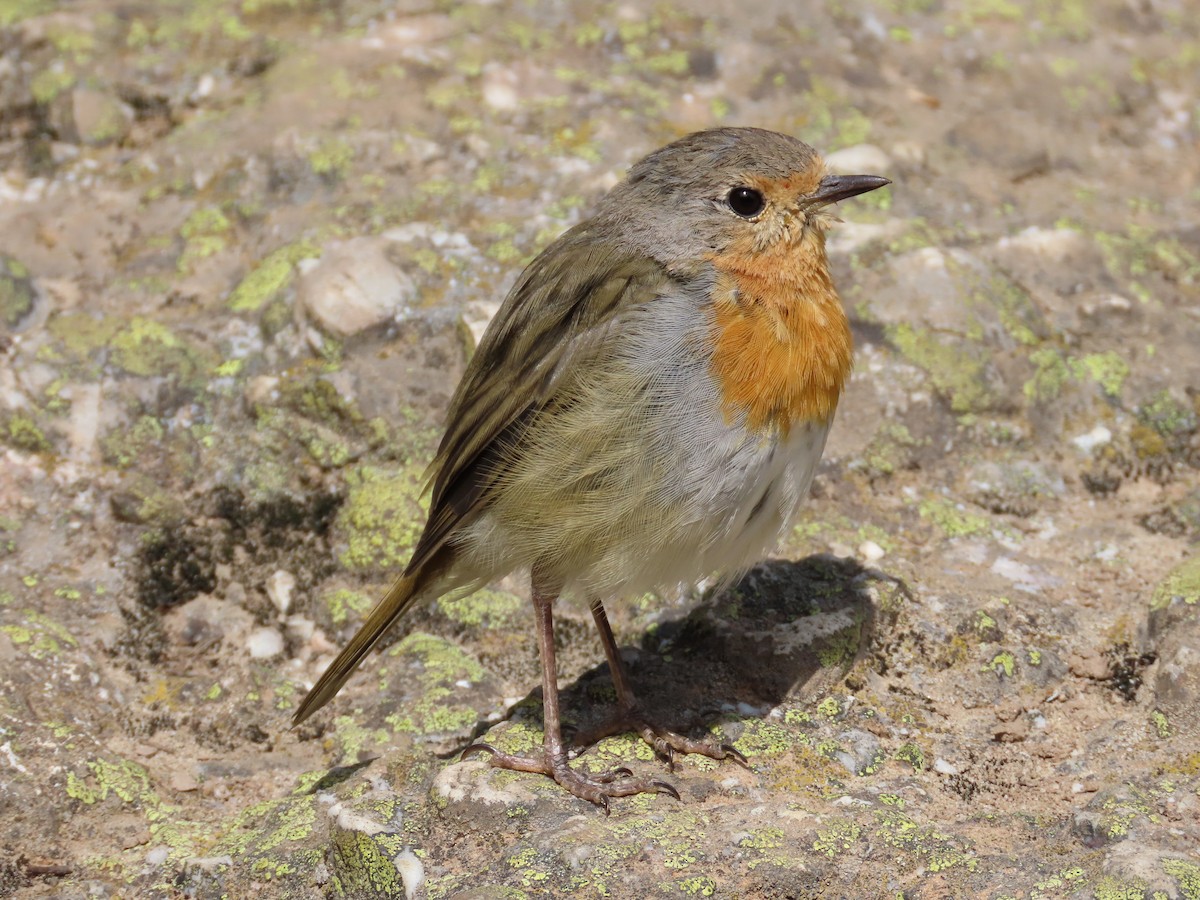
column 841, row 187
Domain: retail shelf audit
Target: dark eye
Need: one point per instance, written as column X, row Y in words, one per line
column 746, row 201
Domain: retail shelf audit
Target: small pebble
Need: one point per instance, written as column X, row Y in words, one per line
column 1097, row 437
column 871, row 551
column 264, row 643
column 944, row 767
column 279, row 588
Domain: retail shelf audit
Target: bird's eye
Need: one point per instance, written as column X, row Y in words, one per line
column 746, row 201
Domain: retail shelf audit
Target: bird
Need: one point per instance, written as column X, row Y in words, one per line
column 647, row 407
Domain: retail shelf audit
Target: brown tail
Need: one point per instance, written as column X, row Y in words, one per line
column 400, row 595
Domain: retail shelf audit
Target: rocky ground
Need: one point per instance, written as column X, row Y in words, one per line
column 245, row 249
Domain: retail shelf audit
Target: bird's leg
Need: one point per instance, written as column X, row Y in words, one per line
column 553, row 760
column 630, row 718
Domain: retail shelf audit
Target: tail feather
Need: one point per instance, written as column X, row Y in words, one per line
column 399, row 597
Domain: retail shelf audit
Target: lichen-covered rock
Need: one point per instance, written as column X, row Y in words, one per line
column 945, row 685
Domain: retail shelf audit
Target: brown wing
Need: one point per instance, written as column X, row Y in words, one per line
column 556, row 315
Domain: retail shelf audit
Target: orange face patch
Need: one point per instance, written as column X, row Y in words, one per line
column 782, row 344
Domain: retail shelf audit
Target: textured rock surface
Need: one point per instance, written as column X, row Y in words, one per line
column 974, row 669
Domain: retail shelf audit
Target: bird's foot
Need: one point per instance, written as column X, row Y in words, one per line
column 666, row 744
column 597, row 789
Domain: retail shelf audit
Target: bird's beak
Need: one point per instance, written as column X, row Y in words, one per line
column 841, row 187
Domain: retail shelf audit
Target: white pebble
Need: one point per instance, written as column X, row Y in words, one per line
column 279, row 588
column 944, row 767
column 871, row 551
column 1097, row 437
column 263, row 643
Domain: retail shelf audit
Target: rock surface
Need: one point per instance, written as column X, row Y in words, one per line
column 245, row 251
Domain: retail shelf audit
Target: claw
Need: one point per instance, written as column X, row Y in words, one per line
column 605, row 804
column 623, row 771
column 664, row 787
column 736, row 755
column 478, row 748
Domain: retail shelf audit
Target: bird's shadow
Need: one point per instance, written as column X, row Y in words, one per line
column 784, row 628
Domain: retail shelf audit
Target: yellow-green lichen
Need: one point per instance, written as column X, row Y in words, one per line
column 764, row 739
column 836, row 838
column 19, row 430
column 270, row 277
column 1112, row 888
column 890, row 450
column 840, row 648
column 1186, row 874
column 763, row 839
column 205, row 234
column 1108, row 370
column 1166, row 415
column 489, row 608
column 125, row 445
column 126, row 780
column 47, row 84
column 1182, row 585
column 442, row 662
column 1003, row 664
column 911, row 754
column 17, row 293
column 1162, row 725
column 382, row 517
column 363, row 864
column 268, row 825
column 797, row 717
column 1051, row 374
column 938, row 851
column 830, row 708
column 38, row 635
column 616, row 751
column 954, row 520
column 344, row 602
column 332, row 158
column 354, row 739
column 444, row 666
column 515, row 737
column 697, row 886
column 956, row 373
column 148, row 348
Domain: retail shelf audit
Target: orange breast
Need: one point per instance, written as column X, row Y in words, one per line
column 782, row 344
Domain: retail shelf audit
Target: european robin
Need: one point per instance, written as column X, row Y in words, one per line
column 647, row 407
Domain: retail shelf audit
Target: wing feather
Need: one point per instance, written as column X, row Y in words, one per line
column 555, row 317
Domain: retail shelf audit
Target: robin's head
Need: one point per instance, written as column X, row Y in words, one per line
column 716, row 190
